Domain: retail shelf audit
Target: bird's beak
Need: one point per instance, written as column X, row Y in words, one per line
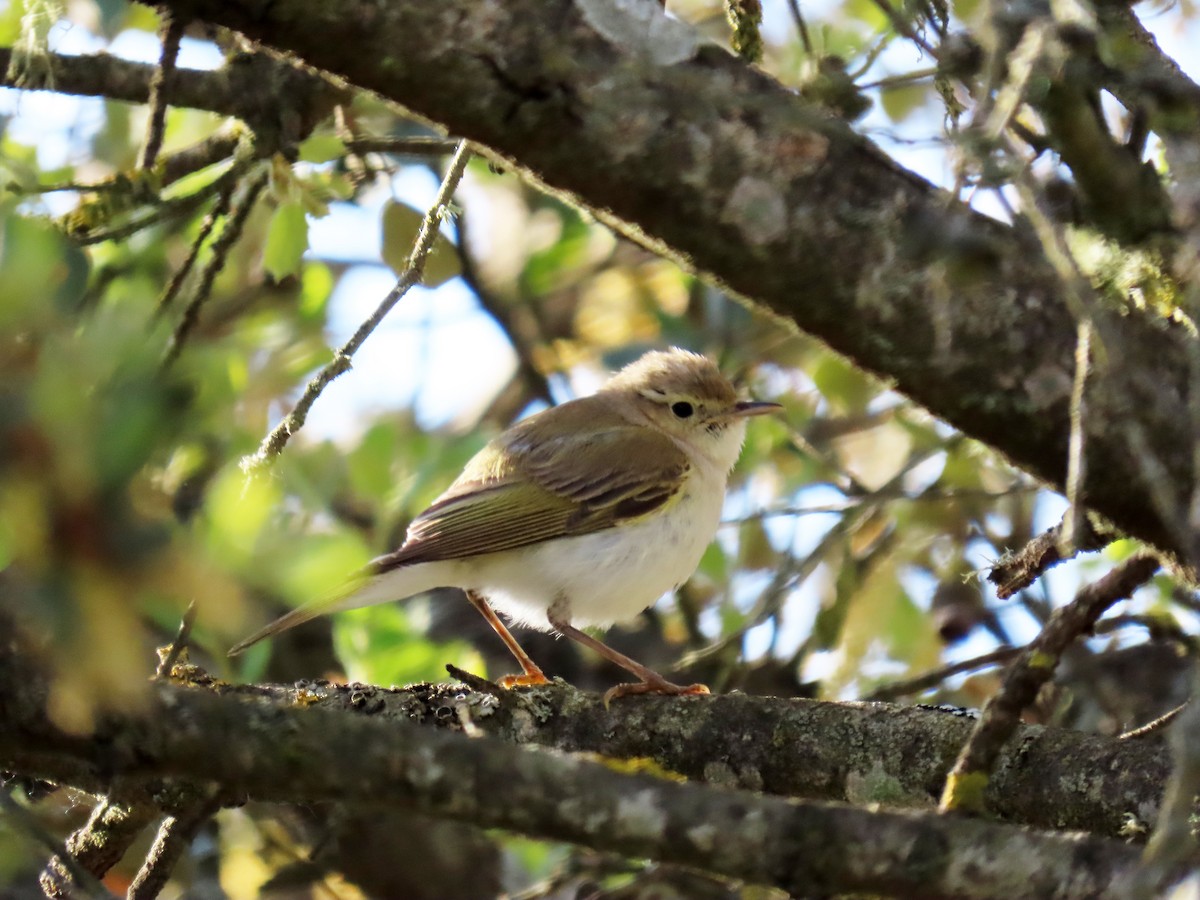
column 755, row 408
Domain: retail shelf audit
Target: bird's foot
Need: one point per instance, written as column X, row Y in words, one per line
column 528, row 679
column 653, row 686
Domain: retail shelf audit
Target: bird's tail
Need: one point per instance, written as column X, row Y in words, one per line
column 367, row 589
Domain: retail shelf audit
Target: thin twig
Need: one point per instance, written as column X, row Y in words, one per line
column 792, row 572
column 167, row 664
column 901, row 80
column 1159, row 628
column 934, row 677
column 897, row 496
column 1192, row 547
column 74, row 877
column 174, row 836
column 1155, row 725
column 220, row 210
column 1016, row 571
column 968, row 780
column 220, row 252
column 201, row 155
column 1004, row 655
column 406, row 146
column 801, row 26
column 904, row 27
column 273, row 444
column 1173, row 840
column 166, row 209
column 1074, row 520
column 110, row 831
column 171, row 30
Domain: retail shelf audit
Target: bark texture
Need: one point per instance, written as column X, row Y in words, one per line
column 291, row 747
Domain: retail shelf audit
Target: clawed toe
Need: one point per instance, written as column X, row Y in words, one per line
column 529, row 679
column 661, row 686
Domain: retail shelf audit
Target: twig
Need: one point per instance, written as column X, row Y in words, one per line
column 904, row 27
column 220, row 252
column 220, row 210
column 174, row 836
column 191, row 159
column 475, row 682
column 167, row 209
column 406, row 146
column 65, row 871
column 1003, row 655
column 900, row 80
column 1016, row 571
column 1173, row 840
column 934, row 677
column 1073, row 522
column 1155, row 725
column 898, row 496
column 1159, row 628
column 968, row 780
column 98, row 845
column 274, row 442
column 167, row 664
column 171, row 31
column 801, row 26
column 792, row 572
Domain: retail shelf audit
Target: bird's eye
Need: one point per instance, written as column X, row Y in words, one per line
column 682, row 409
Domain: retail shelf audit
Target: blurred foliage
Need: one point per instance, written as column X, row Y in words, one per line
column 855, row 521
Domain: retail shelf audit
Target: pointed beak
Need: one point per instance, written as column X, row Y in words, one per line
column 755, row 408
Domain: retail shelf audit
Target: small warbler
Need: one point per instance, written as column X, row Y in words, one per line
column 581, row 515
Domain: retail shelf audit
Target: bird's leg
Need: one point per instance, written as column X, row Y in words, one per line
column 531, row 674
column 651, row 682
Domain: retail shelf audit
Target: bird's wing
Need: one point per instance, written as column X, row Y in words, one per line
column 574, row 469
column 533, row 488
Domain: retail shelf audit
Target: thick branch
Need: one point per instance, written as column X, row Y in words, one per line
column 861, row 752
column 299, row 754
column 248, row 89
column 682, row 146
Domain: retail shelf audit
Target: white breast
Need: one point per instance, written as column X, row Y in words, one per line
column 607, row 577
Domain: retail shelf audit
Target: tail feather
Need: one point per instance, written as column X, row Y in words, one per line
column 366, row 590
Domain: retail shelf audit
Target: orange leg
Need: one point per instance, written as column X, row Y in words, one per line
column 531, row 674
column 651, row 682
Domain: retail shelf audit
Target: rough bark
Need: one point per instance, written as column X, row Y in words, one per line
column 857, row 752
column 291, row 747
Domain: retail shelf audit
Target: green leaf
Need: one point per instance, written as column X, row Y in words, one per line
column 846, row 388
column 401, row 224
column 316, row 286
column 901, row 101
column 319, row 148
column 287, row 239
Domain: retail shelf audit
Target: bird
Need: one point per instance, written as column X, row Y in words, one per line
column 581, row 515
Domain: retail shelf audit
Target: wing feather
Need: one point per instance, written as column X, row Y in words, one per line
column 531, row 486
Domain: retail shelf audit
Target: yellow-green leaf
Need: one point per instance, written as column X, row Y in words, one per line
column 899, row 102
column 319, row 148
column 400, row 226
column 287, row 239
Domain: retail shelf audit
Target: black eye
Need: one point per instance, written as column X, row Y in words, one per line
column 682, row 409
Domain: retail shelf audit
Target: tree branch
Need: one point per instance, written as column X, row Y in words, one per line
column 862, row 752
column 297, row 753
